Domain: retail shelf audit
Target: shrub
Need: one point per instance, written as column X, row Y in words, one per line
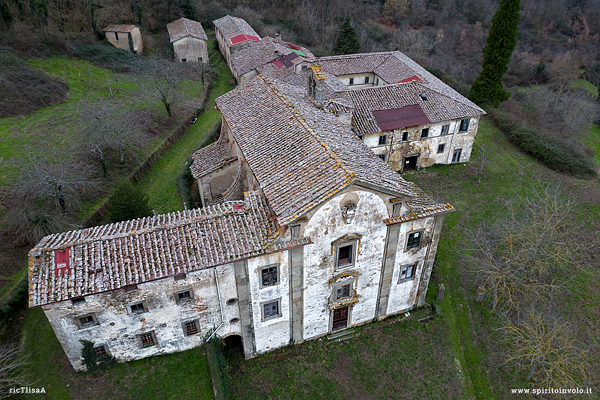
column 17, row 300
column 107, row 56
column 127, row 202
column 24, row 89
column 92, row 361
column 544, row 149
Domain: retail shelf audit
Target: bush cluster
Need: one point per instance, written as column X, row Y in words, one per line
column 107, row 56
column 24, row 89
column 547, row 150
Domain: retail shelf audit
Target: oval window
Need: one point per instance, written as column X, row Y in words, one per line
column 231, row 302
column 234, row 321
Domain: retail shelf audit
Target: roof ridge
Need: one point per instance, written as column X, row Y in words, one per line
column 328, row 149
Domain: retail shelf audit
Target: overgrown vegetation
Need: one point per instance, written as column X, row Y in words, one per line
column 127, row 202
column 24, row 89
column 219, row 368
column 91, row 361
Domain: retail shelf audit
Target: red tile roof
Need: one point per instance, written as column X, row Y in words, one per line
column 231, row 27
column 398, row 118
column 244, row 38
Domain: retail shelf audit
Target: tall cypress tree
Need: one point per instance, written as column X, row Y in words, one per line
column 496, row 55
column 347, row 41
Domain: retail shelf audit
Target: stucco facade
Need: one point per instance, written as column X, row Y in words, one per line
column 191, row 50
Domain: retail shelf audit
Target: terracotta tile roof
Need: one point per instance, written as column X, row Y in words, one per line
column 299, row 154
column 263, row 52
column 231, row 27
column 210, row 158
column 184, row 27
column 397, row 118
column 112, row 256
column 119, row 28
column 437, row 107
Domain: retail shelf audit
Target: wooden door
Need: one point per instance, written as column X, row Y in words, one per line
column 340, row 318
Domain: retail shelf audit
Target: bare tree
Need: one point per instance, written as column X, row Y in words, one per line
column 524, row 256
column 485, row 156
column 545, row 347
column 12, row 372
column 163, row 80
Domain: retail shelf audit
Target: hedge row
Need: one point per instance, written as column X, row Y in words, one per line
column 546, row 150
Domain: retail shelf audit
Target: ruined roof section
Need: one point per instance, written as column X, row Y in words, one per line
column 436, row 106
column 119, row 28
column 299, row 154
column 184, row 27
column 230, row 27
column 295, row 169
column 210, row 158
column 112, row 256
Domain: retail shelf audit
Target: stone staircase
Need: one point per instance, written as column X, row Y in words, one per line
column 339, row 336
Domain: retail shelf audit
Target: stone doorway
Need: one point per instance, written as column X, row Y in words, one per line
column 410, row 162
column 340, row 318
column 234, row 347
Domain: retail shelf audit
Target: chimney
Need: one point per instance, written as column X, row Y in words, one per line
column 278, row 36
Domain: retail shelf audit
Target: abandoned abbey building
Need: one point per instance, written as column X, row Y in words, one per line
column 306, row 229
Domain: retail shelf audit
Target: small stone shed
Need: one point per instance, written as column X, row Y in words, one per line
column 126, row 37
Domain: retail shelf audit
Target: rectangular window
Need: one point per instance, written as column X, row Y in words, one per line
column 445, row 129
column 407, row 272
column 456, row 156
column 86, row 321
column 425, row 133
column 377, row 81
column 382, row 139
column 185, row 296
column 180, row 277
column 382, row 156
column 269, row 275
column 464, row 125
column 130, row 288
column 183, row 60
column 147, row 339
column 295, row 231
column 77, row 301
column 137, row 308
column 117, row 36
column 414, row 240
column 352, row 81
column 366, row 79
column 345, row 255
column 191, row 327
column 404, row 136
column 441, row 148
column 342, row 292
column 397, row 209
column 270, row 310
column 100, row 351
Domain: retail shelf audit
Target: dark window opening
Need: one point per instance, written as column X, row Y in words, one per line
column 366, row 79
column 410, row 162
column 137, row 308
column 147, row 339
column 271, row 309
column 360, row 137
column 340, row 318
column 345, row 255
column 464, row 125
column 77, row 301
column 269, row 276
column 87, row 321
column 377, row 81
column 180, row 277
column 407, row 272
column 183, row 296
column 191, row 327
column 352, row 81
column 414, row 240
column 441, row 148
column 100, row 351
column 342, row 292
column 234, row 347
column 231, row 302
column 404, row 137
column 425, row 133
column 456, row 156
column 183, row 60
column 423, row 97
column 382, row 156
column 445, row 129
column 382, row 139
column 130, row 288
column 117, row 35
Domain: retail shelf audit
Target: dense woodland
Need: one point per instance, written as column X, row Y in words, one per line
column 553, row 77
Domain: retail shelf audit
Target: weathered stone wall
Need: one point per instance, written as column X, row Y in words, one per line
column 118, row 328
column 427, row 148
column 359, row 80
column 191, row 49
column 325, row 225
column 121, row 40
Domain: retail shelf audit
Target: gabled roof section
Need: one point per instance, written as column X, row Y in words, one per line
column 233, row 27
column 119, row 28
column 263, row 52
column 300, row 155
column 435, row 106
column 398, row 118
column 210, row 158
column 184, row 27
column 112, row 256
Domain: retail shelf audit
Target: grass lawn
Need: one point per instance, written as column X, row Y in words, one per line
column 161, row 182
column 584, row 84
column 181, row 375
column 593, row 140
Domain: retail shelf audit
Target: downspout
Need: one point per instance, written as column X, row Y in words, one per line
column 451, row 142
column 220, row 307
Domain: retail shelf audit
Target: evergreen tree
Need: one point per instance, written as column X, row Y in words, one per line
column 347, row 41
column 496, row 55
column 127, row 202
